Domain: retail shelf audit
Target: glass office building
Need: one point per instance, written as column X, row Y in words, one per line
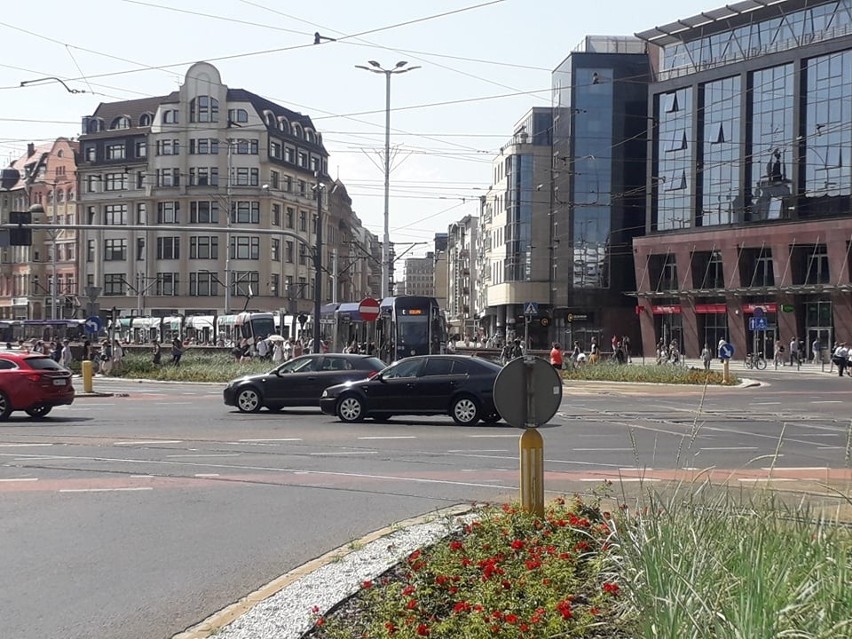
column 749, row 179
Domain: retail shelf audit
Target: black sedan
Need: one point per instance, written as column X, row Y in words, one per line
column 456, row 385
column 299, row 381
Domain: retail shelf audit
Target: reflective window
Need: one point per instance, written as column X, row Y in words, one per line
column 771, row 146
column 406, row 368
column 519, row 194
column 720, row 177
column 673, row 180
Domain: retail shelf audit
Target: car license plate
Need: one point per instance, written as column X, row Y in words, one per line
column 59, row 382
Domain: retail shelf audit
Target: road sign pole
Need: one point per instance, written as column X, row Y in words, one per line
column 526, row 333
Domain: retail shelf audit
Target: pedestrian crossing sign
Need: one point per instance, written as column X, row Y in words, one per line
column 531, row 308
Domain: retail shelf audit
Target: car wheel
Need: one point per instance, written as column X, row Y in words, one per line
column 248, row 400
column 493, row 418
column 465, row 411
column 350, row 408
column 5, row 407
column 39, row 411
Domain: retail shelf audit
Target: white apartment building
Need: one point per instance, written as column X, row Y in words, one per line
column 462, row 276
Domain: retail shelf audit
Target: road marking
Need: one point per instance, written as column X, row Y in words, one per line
column 207, row 455
column 830, row 447
column 590, row 449
column 10, row 479
column 151, row 441
column 207, row 475
column 619, row 479
column 766, row 403
column 827, row 401
column 103, row 490
column 634, row 468
column 279, row 439
column 786, row 468
column 22, row 445
column 142, row 476
column 757, row 479
column 483, row 450
column 487, row 436
column 354, row 452
column 729, row 448
column 390, row 437
column 172, row 403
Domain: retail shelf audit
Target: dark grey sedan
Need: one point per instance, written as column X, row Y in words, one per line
column 299, row 381
column 456, row 385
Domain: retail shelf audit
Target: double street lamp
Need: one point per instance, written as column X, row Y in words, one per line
column 375, row 67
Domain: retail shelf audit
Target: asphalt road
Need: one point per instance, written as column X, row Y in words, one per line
column 140, row 514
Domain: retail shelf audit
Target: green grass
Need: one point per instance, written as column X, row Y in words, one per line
column 694, row 565
column 663, row 374
column 195, row 366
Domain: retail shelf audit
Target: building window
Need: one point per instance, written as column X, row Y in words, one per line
column 115, row 152
column 168, row 177
column 288, row 184
column 303, row 255
column 275, row 180
column 315, row 164
column 204, row 176
column 246, row 147
column 168, row 213
column 140, row 179
column 237, row 116
column 303, row 159
column 168, row 248
column 141, row 147
column 204, row 109
column 167, row 284
column 204, row 146
column 275, row 285
column 141, row 213
column 291, row 217
column 245, row 283
column 115, row 182
column 114, row 284
column 90, row 250
column 168, row 147
column 171, row 116
column 275, row 149
column 203, row 212
column 244, row 247
column 91, row 153
column 115, row 250
column 289, row 154
column 275, row 250
column 121, row 122
column 276, row 215
column 245, row 213
column 303, row 188
column 244, row 176
column 204, row 248
column 115, row 214
column 290, row 252
column 203, row 285
column 140, row 249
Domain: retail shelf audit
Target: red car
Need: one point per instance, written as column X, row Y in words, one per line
column 33, row 383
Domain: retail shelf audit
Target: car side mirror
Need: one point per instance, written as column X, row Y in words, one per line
column 380, row 377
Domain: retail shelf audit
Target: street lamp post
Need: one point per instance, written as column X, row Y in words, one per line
column 375, row 67
column 319, row 188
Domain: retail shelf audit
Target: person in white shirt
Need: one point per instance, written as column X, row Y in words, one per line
column 262, row 348
column 66, row 357
column 841, row 357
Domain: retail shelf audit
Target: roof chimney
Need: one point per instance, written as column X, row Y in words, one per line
column 30, row 149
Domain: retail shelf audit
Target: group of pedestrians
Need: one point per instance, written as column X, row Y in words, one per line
column 177, row 349
column 58, row 350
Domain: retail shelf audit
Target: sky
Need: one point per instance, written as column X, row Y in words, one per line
column 482, row 65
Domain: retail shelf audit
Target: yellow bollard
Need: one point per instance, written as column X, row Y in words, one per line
column 532, row 472
column 86, row 368
column 725, row 376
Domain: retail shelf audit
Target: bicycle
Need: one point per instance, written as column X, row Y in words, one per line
column 755, row 361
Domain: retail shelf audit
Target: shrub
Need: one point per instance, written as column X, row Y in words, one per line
column 665, row 374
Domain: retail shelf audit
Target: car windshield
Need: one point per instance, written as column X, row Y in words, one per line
column 43, row 364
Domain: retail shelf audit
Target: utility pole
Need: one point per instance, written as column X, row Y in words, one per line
column 319, row 187
column 334, row 275
column 228, row 234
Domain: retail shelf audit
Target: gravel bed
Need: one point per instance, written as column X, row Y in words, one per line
column 289, row 613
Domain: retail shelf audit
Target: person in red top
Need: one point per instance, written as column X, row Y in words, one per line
column 556, row 356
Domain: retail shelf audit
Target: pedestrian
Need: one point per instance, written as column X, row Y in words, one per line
column 831, row 359
column 706, row 356
column 556, row 356
column 117, row 355
column 106, row 357
column 177, row 351
column 263, row 349
column 517, row 350
column 815, row 350
column 66, row 356
column 157, row 352
column 298, row 348
column 278, row 352
column 778, row 354
column 87, row 350
column 288, row 349
column 56, row 351
column 841, row 358
column 594, row 353
column 625, row 344
column 506, row 353
column 794, row 351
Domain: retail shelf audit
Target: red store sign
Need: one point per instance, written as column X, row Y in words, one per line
column 673, row 309
column 768, row 307
column 711, row 308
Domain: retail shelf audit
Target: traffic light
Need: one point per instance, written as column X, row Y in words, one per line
column 21, row 236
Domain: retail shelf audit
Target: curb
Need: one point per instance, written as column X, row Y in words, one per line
column 96, row 394
column 218, row 620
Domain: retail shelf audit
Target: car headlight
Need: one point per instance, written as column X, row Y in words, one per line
column 325, row 393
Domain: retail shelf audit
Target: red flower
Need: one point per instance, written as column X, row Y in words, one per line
column 390, row 627
column 422, row 630
column 411, row 605
column 466, row 561
column 461, row 606
column 532, row 564
column 315, row 610
column 320, row 621
column 610, row 588
column 545, row 581
column 595, row 611
column 407, row 590
column 524, row 627
column 414, row 556
column 456, row 545
column 497, row 614
column 495, row 629
column 511, row 618
column 564, row 609
column 517, row 544
column 366, row 585
column 582, row 546
column 441, row 580
column 507, row 585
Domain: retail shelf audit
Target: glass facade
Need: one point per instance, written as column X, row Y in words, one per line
column 771, row 145
column 673, row 182
column 592, row 172
column 519, row 194
column 720, row 153
column 786, row 32
column 828, row 138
